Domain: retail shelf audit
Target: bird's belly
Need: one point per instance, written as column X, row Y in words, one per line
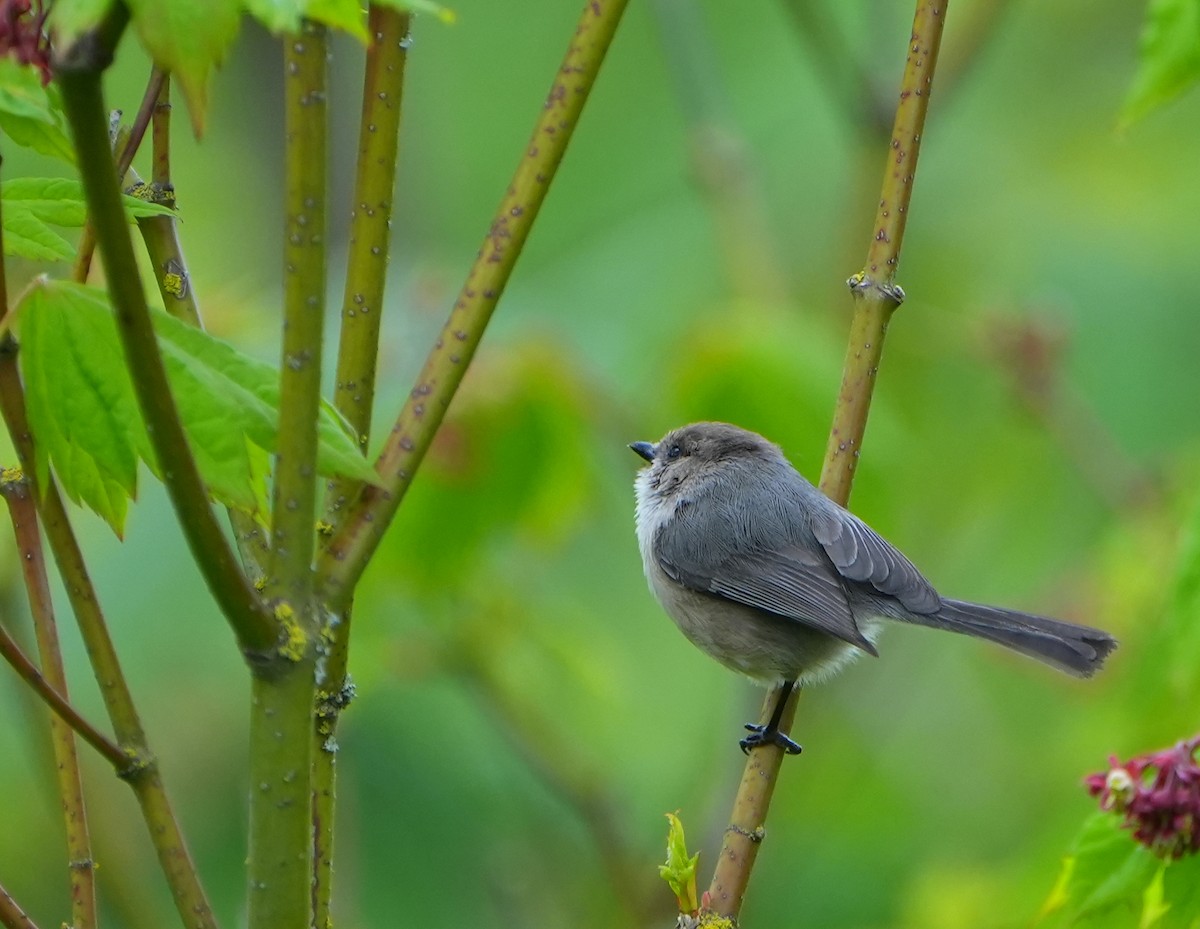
column 767, row 648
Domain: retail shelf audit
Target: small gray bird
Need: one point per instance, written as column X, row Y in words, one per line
column 773, row 579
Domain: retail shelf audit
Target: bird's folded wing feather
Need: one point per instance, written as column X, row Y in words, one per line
column 861, row 554
column 792, row 583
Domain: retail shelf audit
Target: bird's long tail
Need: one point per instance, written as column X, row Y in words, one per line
column 1078, row 650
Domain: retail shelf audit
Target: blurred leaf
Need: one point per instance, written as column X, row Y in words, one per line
column 84, row 412
column 286, row 15
column 442, row 12
column 510, row 462
column 1182, row 626
column 1170, row 57
column 1107, row 871
column 32, row 204
column 187, row 38
column 30, row 114
column 68, row 18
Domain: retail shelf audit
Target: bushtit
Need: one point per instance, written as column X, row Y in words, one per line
column 773, row 579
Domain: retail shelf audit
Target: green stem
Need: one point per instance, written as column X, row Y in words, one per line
column 281, row 730
column 342, row 562
column 84, row 104
column 280, row 855
column 293, row 510
column 51, row 685
column 358, row 350
column 876, row 297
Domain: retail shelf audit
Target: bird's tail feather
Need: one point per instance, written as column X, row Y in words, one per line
column 1078, row 650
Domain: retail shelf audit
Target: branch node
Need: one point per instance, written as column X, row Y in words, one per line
column 140, row 760
column 861, row 284
column 754, row 835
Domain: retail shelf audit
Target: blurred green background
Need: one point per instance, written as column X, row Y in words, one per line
column 525, row 712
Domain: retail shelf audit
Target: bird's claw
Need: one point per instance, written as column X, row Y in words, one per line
column 762, row 735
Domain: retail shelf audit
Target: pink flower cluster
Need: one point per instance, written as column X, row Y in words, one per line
column 22, row 34
column 1159, row 796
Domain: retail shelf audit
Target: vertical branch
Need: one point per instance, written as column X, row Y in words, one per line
column 345, row 557
column 358, row 351
column 81, row 867
column 876, row 296
column 281, row 730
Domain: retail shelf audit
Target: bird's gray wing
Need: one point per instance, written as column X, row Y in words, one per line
column 794, row 583
column 861, row 554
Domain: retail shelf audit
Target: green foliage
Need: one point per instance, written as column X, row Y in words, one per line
column 441, row 11
column 30, row 114
column 286, row 15
column 33, row 204
column 188, row 38
column 70, row 18
column 680, row 870
column 1109, row 880
column 84, row 414
column 1170, row 57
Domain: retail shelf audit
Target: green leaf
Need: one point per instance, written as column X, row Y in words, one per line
column 33, row 204
column 1170, row 57
column 187, row 38
column 84, row 413
column 1108, row 871
column 284, row 16
column 31, row 114
column 444, row 13
column 224, row 389
column 81, row 404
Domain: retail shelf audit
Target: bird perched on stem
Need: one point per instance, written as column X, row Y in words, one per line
column 773, row 579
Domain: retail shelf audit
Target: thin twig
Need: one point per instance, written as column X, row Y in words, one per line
column 51, row 685
column 11, row 915
column 344, row 559
column 87, row 240
column 876, row 296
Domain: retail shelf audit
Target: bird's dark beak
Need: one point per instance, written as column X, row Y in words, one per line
column 645, row 449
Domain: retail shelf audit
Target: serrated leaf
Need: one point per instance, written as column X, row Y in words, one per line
column 81, row 404
column 32, row 204
column 30, row 114
column 442, row 12
column 285, row 16
column 85, row 415
column 188, row 38
column 234, row 389
column 1169, row 57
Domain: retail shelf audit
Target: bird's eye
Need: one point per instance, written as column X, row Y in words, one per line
column 674, row 452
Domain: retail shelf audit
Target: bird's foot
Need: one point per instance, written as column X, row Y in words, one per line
column 766, row 735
